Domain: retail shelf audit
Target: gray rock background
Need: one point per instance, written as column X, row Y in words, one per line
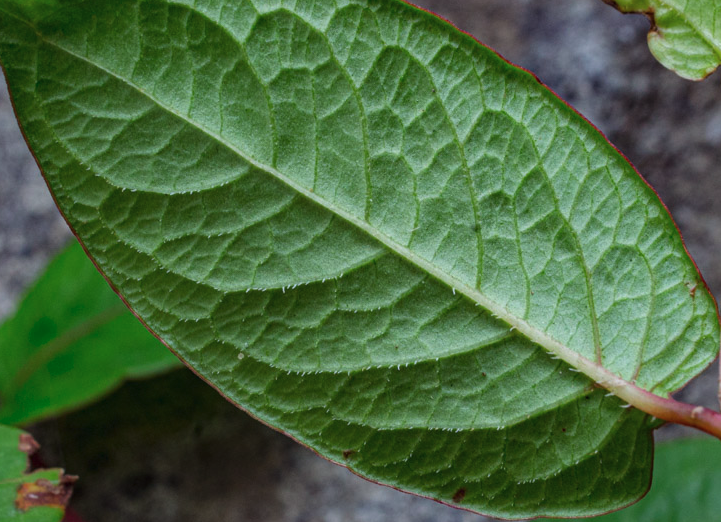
column 171, row 450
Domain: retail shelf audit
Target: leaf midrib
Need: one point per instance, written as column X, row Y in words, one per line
column 594, row 371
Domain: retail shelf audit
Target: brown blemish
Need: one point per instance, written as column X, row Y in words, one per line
column 691, row 288
column 458, row 495
column 651, row 19
column 28, row 444
column 44, row 493
column 348, row 453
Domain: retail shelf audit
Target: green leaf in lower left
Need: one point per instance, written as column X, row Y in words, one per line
column 71, row 341
column 40, row 496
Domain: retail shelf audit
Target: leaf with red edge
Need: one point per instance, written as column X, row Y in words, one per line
column 375, row 235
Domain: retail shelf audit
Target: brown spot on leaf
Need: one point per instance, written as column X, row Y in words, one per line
column 28, row 444
column 458, row 495
column 348, row 453
column 43, row 492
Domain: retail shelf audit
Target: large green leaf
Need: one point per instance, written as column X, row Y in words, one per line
column 374, row 234
column 685, row 35
column 70, row 341
column 686, row 485
column 40, row 496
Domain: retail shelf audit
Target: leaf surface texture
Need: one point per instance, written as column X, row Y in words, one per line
column 325, row 207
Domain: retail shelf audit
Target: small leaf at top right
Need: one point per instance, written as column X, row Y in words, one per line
column 684, row 36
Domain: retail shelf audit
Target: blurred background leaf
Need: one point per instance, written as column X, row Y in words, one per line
column 70, row 341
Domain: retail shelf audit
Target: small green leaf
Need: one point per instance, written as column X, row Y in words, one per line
column 685, row 35
column 70, row 341
column 686, row 485
column 40, row 496
column 374, row 234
